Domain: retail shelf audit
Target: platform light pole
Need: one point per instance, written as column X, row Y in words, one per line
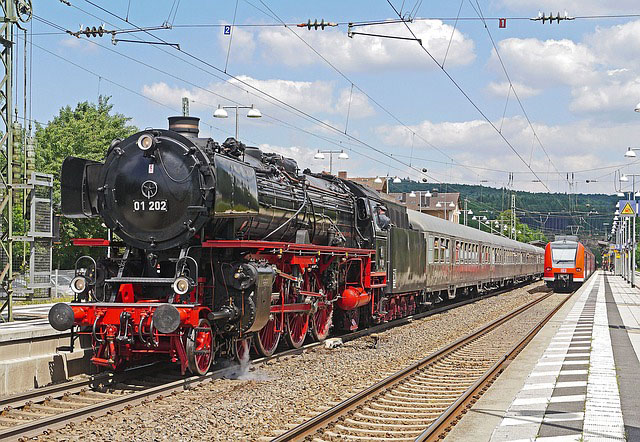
column 341, row 155
column 631, row 223
column 6, row 150
column 221, row 112
column 386, row 179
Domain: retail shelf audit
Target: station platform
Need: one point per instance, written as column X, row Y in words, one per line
column 577, row 380
column 31, row 355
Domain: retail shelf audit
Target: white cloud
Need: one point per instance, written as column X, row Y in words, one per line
column 502, row 90
column 544, row 63
column 606, row 97
column 601, row 71
column 575, row 146
column 617, row 45
column 242, row 44
column 363, row 53
column 311, row 96
column 78, row 44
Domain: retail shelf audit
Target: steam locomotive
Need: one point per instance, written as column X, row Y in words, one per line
column 218, row 246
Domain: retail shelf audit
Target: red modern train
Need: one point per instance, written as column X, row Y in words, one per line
column 567, row 263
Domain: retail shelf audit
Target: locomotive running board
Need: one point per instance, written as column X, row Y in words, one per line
column 285, row 246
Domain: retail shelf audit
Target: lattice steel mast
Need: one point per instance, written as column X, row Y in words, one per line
column 13, row 11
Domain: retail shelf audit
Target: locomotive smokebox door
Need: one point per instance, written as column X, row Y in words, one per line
column 78, row 187
column 157, row 190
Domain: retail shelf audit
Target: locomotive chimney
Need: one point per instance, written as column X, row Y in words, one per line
column 187, row 126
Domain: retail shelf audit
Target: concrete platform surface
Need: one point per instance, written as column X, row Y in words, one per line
column 578, row 379
column 30, row 356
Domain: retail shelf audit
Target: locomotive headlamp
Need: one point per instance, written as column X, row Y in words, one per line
column 145, row 142
column 79, row 285
column 182, row 285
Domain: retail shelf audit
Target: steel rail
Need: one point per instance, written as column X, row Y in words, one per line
column 36, row 427
column 74, row 386
column 329, row 416
column 450, row 417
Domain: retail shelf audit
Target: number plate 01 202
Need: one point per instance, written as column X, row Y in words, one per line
column 149, row 205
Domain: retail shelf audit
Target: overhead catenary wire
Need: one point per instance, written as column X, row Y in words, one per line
column 154, row 36
column 138, row 61
column 194, row 85
column 349, row 80
column 473, row 103
column 363, row 155
column 257, row 89
column 511, row 87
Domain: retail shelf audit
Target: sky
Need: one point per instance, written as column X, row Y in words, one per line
column 548, row 110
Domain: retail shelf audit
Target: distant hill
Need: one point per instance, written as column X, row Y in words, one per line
column 554, row 213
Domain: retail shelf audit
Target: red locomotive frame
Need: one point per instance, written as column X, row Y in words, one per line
column 289, row 316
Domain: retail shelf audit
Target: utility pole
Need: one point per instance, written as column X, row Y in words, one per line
column 465, row 211
column 185, row 106
column 513, row 216
column 6, row 149
column 13, row 11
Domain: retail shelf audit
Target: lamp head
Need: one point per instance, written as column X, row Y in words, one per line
column 220, row 113
column 254, row 113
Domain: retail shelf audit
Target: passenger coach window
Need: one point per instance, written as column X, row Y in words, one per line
column 447, row 251
column 436, row 249
column 430, row 249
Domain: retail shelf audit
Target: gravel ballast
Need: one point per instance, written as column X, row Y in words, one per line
column 278, row 394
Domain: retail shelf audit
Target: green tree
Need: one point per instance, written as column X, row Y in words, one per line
column 85, row 132
column 524, row 233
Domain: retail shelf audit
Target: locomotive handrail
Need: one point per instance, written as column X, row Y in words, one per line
column 93, row 331
column 140, row 279
column 285, row 246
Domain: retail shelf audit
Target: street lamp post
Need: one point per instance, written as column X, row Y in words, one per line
column 222, row 113
column 630, row 225
column 386, row 179
column 341, row 154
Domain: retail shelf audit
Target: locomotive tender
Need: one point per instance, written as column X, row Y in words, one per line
column 218, row 245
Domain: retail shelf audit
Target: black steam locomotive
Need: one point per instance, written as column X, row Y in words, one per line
column 216, row 246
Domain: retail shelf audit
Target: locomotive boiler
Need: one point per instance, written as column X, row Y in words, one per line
column 216, row 248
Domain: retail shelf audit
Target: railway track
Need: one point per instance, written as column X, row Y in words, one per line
column 45, row 409
column 423, row 401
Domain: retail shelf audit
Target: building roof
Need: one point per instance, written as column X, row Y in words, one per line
column 428, row 203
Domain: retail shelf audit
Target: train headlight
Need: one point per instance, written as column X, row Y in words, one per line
column 145, row 142
column 79, row 285
column 182, row 285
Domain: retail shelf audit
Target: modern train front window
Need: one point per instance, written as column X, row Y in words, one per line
column 563, row 255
